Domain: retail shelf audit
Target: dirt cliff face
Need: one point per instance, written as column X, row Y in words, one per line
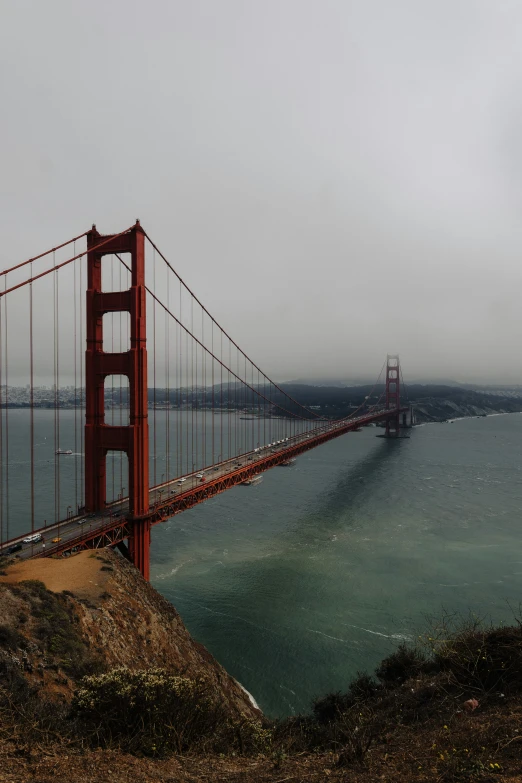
column 132, row 625
column 98, row 612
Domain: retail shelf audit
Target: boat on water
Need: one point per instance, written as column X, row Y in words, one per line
column 63, row 451
column 254, row 480
column 287, row 462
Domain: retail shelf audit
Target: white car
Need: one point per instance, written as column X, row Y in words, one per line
column 200, row 475
column 182, row 480
column 34, row 539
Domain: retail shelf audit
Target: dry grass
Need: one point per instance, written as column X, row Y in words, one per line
column 82, row 573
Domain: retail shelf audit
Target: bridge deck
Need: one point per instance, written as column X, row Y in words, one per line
column 93, row 531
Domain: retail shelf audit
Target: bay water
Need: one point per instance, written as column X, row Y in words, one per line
column 321, row 570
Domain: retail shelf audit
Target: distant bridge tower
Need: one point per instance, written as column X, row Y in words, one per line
column 99, row 436
column 393, row 396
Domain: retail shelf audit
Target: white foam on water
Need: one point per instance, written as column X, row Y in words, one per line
column 463, row 584
column 406, row 637
column 253, row 702
column 336, row 638
column 172, row 572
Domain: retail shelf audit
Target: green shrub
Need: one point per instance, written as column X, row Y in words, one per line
column 355, row 733
column 328, row 708
column 363, row 687
column 55, row 628
column 488, row 659
column 154, row 712
column 402, row 664
column 10, row 639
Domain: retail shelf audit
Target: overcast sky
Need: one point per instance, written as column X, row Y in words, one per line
column 335, row 179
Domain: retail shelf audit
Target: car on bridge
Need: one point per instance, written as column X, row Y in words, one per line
column 14, row 548
column 34, row 539
column 200, row 475
column 181, row 480
column 56, row 540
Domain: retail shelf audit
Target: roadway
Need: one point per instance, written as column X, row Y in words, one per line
column 62, row 536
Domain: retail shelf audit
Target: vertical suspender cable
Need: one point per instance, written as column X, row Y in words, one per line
column 6, row 353
column 213, row 414
column 179, row 373
column 120, row 402
column 113, row 466
column 264, row 411
column 154, row 360
column 189, row 402
column 229, row 404
column 55, row 385
column 82, row 391
column 204, row 387
column 221, row 389
column 31, row 394
column 192, row 383
column 1, row 435
column 167, row 370
column 195, row 397
column 75, row 349
column 237, row 392
column 58, row 401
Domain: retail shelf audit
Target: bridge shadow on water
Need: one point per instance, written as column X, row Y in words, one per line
column 338, row 505
column 276, row 616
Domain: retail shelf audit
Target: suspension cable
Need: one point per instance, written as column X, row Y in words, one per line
column 47, row 252
column 189, row 333
column 64, row 263
column 312, row 413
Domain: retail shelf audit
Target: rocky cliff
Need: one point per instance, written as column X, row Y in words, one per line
column 98, row 613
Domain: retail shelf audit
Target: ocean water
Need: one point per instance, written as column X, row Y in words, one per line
column 326, row 566
column 323, row 569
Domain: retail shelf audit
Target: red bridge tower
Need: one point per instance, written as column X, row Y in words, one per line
column 393, row 397
column 99, row 436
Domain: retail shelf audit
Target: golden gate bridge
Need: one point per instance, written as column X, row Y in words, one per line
column 85, row 317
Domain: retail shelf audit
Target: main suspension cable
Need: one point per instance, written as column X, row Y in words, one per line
column 193, row 295
column 231, row 342
column 56, row 267
column 41, row 255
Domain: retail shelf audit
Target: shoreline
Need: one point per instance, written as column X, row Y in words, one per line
column 467, row 418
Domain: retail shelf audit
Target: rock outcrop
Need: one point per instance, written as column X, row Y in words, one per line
column 110, row 617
